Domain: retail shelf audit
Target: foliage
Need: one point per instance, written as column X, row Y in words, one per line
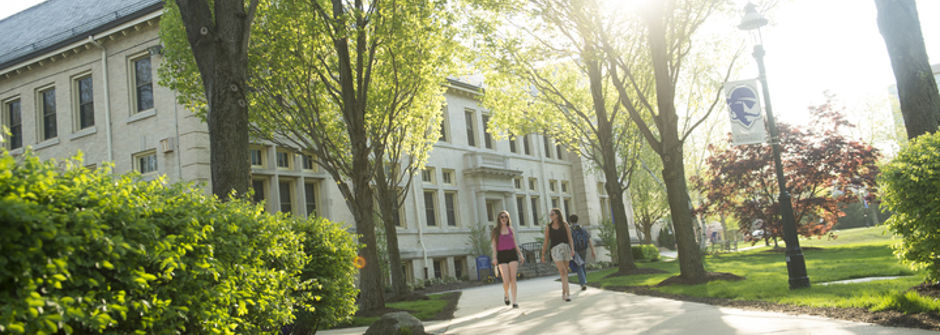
column 766, row 277
column 648, row 194
column 666, row 238
column 741, row 181
column 479, row 240
column 83, row 251
column 609, row 238
column 911, row 186
column 647, row 252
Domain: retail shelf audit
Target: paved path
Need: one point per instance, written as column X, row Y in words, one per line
column 602, row 312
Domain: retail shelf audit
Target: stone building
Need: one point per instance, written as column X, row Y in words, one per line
column 80, row 75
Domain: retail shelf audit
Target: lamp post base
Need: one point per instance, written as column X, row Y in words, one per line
column 796, row 268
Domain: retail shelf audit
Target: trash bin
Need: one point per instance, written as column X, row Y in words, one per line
column 484, row 267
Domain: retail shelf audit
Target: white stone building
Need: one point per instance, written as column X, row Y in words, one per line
column 80, row 75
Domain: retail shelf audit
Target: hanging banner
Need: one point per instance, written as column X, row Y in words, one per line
column 747, row 121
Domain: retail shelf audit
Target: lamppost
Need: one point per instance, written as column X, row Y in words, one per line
column 796, row 265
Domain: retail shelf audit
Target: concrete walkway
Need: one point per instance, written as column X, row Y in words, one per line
column 595, row 311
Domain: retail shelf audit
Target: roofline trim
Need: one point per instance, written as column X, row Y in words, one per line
column 108, row 29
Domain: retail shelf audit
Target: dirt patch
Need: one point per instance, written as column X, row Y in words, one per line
column 637, row 271
column 885, row 318
column 928, row 290
column 447, row 312
column 709, row 276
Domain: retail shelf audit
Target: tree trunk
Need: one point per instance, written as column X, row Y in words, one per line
column 626, row 263
column 691, row 267
column 389, row 205
column 917, row 88
column 220, row 48
column 647, row 232
column 372, row 296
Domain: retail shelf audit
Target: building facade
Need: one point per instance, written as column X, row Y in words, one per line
column 80, row 76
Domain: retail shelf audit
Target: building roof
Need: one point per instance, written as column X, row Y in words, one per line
column 56, row 23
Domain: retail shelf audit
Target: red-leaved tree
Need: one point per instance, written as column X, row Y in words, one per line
column 741, row 182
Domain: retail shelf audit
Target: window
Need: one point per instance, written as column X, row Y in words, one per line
column 427, row 175
column 535, row 210
column 143, row 84
column 525, row 145
column 520, row 209
column 284, row 189
column 258, row 186
column 605, row 209
column 308, row 162
column 512, row 145
column 487, row 138
column 459, row 267
column 471, row 135
column 555, row 203
column 310, row 198
column 517, row 182
column 429, row 210
column 567, row 208
column 559, row 150
column 47, row 107
column 284, row 159
column 443, row 137
column 145, row 162
column 14, row 122
column 491, row 210
column 601, row 189
column 553, row 185
column 532, row 183
column 439, row 265
column 564, row 187
column 86, row 102
column 447, row 176
column 548, row 146
column 257, row 159
column 450, row 206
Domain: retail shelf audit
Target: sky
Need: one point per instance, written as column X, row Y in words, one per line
column 811, row 46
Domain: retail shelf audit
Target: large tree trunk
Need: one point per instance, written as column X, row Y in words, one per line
column 221, row 53
column 372, row 296
column 691, row 267
column 917, row 88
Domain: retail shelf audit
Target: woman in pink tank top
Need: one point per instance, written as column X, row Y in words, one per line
column 506, row 255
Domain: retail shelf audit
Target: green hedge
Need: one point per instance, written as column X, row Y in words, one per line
column 82, row 251
column 646, row 252
column 911, row 189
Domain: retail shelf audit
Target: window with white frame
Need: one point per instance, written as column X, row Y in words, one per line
column 84, row 102
column 534, row 201
column 430, row 210
column 552, row 185
column 443, row 137
column 512, row 145
column 525, row 145
column 564, row 186
column 559, row 151
column 310, row 198
column 142, row 81
column 427, row 175
column 555, row 203
column 448, row 177
column 47, row 116
column 286, row 192
column 258, row 185
column 450, row 208
column 487, row 138
column 548, row 146
column 517, row 182
column 145, row 162
column 308, row 163
column 14, row 122
column 257, row 157
column 471, row 132
column 567, row 204
column 533, row 184
column 520, row 209
column 284, row 159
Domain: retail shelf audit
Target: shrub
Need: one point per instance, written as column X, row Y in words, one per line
column 82, row 251
column 666, row 238
column 608, row 236
column 911, row 189
column 647, row 252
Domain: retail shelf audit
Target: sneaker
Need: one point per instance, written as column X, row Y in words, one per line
column 583, row 288
column 515, row 305
column 506, row 300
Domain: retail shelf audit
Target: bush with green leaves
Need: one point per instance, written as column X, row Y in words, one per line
column 646, row 252
column 82, row 251
column 911, row 189
column 666, row 238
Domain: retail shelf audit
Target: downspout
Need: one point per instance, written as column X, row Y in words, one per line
column 107, row 95
column 179, row 155
column 424, row 249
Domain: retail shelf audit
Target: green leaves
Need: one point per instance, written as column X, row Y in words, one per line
column 146, row 257
column 911, row 189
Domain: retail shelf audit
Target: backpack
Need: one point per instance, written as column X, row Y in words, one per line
column 581, row 237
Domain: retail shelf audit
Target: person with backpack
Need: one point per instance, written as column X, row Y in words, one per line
column 582, row 241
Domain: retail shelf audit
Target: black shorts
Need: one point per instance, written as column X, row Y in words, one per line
column 506, row 256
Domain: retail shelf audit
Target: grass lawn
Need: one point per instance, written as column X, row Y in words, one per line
column 424, row 310
column 856, row 253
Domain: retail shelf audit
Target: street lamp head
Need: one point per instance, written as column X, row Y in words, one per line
column 752, row 19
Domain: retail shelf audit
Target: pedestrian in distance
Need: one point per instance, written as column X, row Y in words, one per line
column 506, row 255
column 582, row 241
column 558, row 235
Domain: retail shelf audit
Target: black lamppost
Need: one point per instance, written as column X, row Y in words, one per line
column 796, row 265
